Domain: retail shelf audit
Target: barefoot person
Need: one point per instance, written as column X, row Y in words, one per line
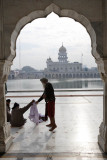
column 17, row 119
column 49, row 97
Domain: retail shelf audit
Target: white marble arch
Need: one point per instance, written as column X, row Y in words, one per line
column 61, row 13
column 86, row 23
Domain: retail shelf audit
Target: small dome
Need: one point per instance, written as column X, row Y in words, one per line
column 62, row 49
column 49, row 60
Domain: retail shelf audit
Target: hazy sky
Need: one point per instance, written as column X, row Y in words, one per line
column 44, row 36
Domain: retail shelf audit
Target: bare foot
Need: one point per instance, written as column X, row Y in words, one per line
column 49, row 125
column 55, row 126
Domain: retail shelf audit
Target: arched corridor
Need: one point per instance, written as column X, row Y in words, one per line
column 14, row 16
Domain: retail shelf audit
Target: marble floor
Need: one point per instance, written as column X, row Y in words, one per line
column 78, row 120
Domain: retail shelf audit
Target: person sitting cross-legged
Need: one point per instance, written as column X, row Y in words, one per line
column 17, row 119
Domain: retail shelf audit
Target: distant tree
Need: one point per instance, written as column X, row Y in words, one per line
column 28, row 69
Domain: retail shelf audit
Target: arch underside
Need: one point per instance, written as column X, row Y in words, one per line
column 61, row 13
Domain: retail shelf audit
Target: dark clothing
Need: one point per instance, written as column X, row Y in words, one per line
column 8, row 107
column 49, row 97
column 46, row 113
column 8, row 113
column 42, row 117
column 50, row 108
column 48, row 94
column 5, row 88
column 17, row 119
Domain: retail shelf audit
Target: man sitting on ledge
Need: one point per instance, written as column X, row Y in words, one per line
column 17, row 119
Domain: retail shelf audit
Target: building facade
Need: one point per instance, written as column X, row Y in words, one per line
column 65, row 69
column 30, row 75
column 62, row 69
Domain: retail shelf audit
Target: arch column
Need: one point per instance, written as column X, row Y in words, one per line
column 102, row 138
column 102, row 67
column 5, row 138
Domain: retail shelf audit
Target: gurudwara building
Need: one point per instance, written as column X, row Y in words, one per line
column 58, row 70
column 65, row 69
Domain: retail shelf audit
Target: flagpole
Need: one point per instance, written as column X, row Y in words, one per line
column 82, row 59
column 19, row 55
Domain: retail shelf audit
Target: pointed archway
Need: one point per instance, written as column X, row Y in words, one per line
column 61, row 13
column 42, row 14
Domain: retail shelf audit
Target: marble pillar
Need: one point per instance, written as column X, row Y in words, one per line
column 102, row 138
column 5, row 137
column 102, row 65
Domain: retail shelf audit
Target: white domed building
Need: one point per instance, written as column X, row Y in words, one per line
column 65, row 69
column 62, row 55
column 62, row 68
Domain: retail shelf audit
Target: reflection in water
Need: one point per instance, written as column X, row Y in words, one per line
column 65, row 84
column 78, row 84
column 35, row 84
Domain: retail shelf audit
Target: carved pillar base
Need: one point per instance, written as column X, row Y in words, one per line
column 5, row 138
column 102, row 138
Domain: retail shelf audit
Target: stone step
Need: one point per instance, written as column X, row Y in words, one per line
column 54, row 158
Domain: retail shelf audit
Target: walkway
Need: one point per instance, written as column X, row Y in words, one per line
column 78, row 120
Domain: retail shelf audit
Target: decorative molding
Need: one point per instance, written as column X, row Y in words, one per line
column 102, row 138
column 4, row 70
column 60, row 12
column 98, row 27
column 1, row 28
column 102, row 67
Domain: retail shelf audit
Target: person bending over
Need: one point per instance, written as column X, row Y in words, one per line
column 49, row 97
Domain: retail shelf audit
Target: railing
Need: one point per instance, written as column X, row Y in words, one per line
column 56, row 90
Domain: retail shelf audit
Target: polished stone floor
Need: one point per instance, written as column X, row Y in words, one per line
column 78, row 120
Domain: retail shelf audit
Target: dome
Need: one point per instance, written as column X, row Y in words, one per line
column 49, row 60
column 62, row 49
